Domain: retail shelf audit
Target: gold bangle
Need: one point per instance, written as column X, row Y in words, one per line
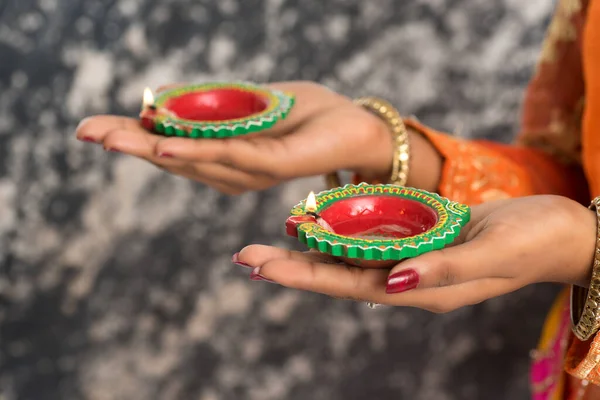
column 401, row 156
column 585, row 303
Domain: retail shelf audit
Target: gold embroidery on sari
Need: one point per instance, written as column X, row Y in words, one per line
column 474, row 174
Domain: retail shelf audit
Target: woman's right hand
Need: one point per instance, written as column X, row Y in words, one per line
column 324, row 132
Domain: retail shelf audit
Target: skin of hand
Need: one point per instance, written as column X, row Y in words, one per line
column 324, row 132
column 507, row 245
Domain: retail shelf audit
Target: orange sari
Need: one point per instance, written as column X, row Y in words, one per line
column 557, row 149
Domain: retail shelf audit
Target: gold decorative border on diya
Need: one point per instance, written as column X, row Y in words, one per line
column 278, row 107
column 451, row 217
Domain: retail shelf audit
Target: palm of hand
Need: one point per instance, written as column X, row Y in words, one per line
column 323, row 133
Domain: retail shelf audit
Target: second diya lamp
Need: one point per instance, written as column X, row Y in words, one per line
column 214, row 110
column 376, row 226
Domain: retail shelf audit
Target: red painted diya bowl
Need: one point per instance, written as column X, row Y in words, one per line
column 214, row 110
column 376, row 225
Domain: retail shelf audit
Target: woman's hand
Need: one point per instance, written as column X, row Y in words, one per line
column 507, row 244
column 324, row 132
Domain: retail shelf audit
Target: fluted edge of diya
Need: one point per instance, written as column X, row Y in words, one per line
column 216, row 110
column 450, row 217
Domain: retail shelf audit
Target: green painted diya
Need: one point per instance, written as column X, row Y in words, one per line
column 214, row 110
column 379, row 223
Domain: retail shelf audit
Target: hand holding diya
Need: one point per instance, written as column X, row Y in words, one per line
column 214, row 110
column 376, row 226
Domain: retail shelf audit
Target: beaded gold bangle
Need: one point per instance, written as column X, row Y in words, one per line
column 585, row 303
column 401, row 155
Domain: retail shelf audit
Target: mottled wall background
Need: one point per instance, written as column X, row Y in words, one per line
column 115, row 277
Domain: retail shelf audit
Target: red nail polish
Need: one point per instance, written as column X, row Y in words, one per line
column 402, row 281
column 236, row 260
column 88, row 139
column 166, row 155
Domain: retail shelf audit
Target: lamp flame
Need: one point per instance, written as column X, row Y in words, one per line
column 311, row 203
column 148, row 98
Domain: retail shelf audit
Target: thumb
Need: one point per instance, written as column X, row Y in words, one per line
column 453, row 265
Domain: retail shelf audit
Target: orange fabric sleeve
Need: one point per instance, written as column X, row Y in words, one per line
column 478, row 171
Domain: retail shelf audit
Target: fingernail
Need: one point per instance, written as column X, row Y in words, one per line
column 402, row 281
column 166, row 155
column 88, row 139
column 236, row 260
column 256, row 276
column 112, row 149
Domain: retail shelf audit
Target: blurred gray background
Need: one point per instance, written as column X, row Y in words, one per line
column 116, row 281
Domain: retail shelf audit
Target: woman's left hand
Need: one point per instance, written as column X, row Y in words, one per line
column 507, row 245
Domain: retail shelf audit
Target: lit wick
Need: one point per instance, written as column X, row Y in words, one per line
column 313, row 214
column 148, row 113
column 311, row 205
column 310, row 208
column 148, row 100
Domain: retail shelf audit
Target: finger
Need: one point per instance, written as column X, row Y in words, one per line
column 298, row 154
column 228, row 176
column 123, row 135
column 220, row 177
column 126, row 142
column 257, row 255
column 314, row 272
column 306, row 271
column 99, row 126
column 188, row 172
column 139, row 145
column 452, row 265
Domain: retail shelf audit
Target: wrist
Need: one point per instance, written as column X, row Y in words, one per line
column 426, row 165
column 571, row 256
column 376, row 162
column 586, row 243
column 426, row 162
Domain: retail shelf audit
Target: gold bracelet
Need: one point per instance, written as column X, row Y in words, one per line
column 585, row 303
column 401, row 155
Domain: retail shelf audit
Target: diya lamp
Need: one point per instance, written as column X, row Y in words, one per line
column 376, row 226
column 214, row 110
